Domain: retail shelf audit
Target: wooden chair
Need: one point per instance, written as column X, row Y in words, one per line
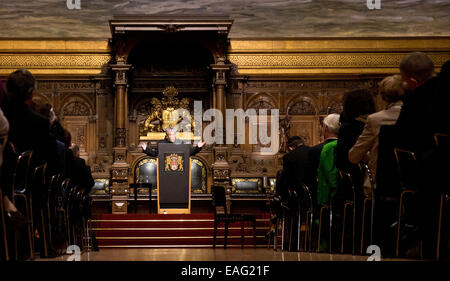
column 326, row 207
column 292, row 207
column 39, row 191
column 442, row 140
column 3, row 228
column 219, row 202
column 4, row 234
column 71, row 193
column 135, row 187
column 275, row 213
column 349, row 203
column 61, row 208
column 22, row 190
column 445, row 197
column 406, row 164
column 372, row 209
column 50, row 207
column 309, row 215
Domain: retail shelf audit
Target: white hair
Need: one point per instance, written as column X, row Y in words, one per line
column 171, row 129
column 332, row 123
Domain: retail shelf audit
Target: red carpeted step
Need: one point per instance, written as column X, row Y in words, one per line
column 165, row 224
column 181, row 241
column 173, row 232
column 140, row 230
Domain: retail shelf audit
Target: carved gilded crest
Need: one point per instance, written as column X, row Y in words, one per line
column 167, row 112
column 174, row 163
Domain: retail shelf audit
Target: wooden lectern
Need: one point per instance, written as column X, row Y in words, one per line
column 174, row 179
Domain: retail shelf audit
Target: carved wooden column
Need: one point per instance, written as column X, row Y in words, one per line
column 120, row 167
column 221, row 167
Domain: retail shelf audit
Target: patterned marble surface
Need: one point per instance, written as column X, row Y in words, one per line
column 253, row 18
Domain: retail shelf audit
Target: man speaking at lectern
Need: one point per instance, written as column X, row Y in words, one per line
column 170, row 138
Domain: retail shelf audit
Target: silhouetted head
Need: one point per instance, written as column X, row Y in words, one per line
column 76, row 150
column 357, row 103
column 416, row 68
column 294, row 142
column 20, row 86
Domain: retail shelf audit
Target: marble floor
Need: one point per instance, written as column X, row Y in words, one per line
column 195, row 254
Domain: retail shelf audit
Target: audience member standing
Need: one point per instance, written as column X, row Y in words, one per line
column 327, row 172
column 419, row 119
column 391, row 90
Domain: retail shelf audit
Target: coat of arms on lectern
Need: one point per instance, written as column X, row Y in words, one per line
column 174, row 162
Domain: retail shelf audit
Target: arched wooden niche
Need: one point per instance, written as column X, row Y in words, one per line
column 262, row 101
column 302, row 106
column 146, row 171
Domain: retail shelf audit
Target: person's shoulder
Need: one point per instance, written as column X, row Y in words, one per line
column 330, row 146
column 39, row 119
column 317, row 147
column 346, row 127
column 303, row 149
column 80, row 161
column 424, row 91
column 377, row 116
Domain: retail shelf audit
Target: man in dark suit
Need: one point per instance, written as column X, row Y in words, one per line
column 80, row 172
column 294, row 163
column 422, row 115
column 414, row 124
column 170, row 138
column 291, row 178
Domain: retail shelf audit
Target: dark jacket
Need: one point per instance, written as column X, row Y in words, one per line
column 349, row 133
column 421, row 113
column 294, row 164
column 80, row 175
column 153, row 152
column 28, row 131
column 31, row 131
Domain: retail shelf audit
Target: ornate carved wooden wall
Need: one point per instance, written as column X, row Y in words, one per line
column 303, row 78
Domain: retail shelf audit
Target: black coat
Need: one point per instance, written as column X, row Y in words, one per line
column 295, row 164
column 422, row 112
column 348, row 135
column 28, row 131
column 80, row 175
column 153, row 152
column 31, row 131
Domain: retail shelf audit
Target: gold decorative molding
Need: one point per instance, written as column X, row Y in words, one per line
column 54, row 64
column 330, row 45
column 357, row 63
column 332, row 55
column 54, row 56
column 54, row 45
column 284, row 56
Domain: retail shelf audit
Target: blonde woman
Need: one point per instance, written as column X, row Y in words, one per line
column 391, row 89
